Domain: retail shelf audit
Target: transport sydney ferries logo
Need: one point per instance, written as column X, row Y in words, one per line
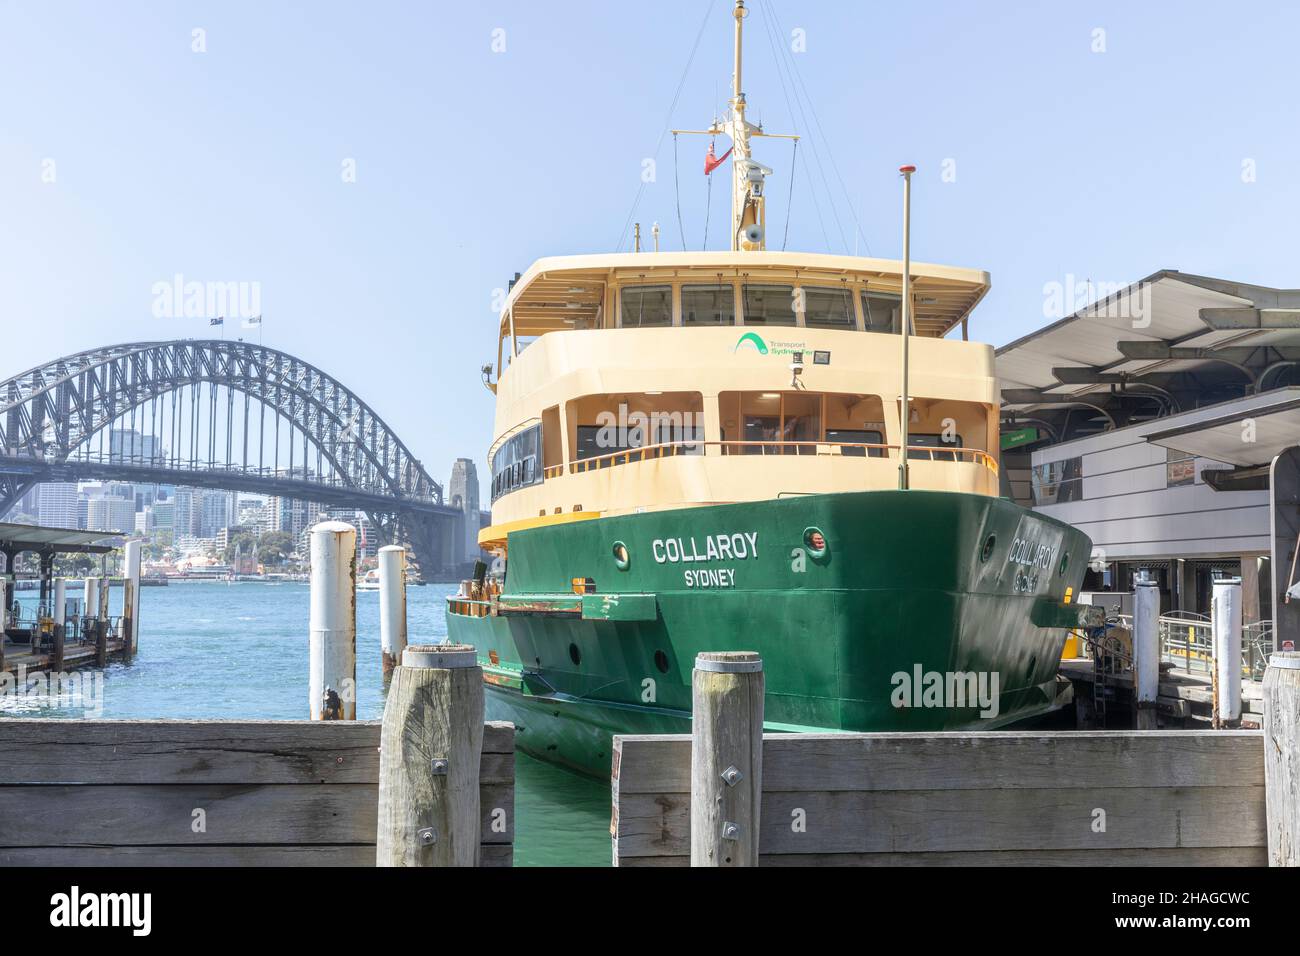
column 752, row 340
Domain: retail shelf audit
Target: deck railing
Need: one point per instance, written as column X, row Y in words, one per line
column 817, row 448
column 1187, row 640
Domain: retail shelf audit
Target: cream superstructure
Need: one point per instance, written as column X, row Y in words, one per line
column 687, row 362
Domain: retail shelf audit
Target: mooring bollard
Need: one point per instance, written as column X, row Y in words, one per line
column 1225, row 618
column 131, row 601
column 726, row 758
column 60, row 624
column 1146, row 650
column 392, row 607
column 101, row 642
column 1282, row 757
column 430, row 745
column 333, row 628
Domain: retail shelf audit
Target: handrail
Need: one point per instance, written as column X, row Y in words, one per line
column 670, row 449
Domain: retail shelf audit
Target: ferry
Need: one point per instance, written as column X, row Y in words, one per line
column 781, row 452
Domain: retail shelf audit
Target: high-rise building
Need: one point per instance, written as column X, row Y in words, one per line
column 218, row 511
column 111, row 513
column 56, row 504
column 463, row 494
column 164, row 515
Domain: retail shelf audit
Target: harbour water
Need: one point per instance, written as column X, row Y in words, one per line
column 217, row 650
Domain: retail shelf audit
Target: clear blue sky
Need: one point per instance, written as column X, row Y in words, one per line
column 226, row 165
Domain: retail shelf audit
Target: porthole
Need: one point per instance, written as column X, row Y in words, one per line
column 1029, row 672
column 1065, row 562
column 989, row 544
column 621, row 557
column 661, row 662
column 575, row 655
column 815, row 541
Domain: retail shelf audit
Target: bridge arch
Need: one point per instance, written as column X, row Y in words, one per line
column 51, row 415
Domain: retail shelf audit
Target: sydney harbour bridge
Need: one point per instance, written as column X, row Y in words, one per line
column 219, row 414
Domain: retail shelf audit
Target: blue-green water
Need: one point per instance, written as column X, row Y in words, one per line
column 219, row 650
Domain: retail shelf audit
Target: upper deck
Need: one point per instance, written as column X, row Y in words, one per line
column 645, row 381
column 642, row 290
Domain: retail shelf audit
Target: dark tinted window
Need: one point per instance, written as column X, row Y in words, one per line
column 769, row 305
column 645, row 306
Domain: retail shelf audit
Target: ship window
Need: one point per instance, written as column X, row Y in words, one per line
column 516, row 463
column 708, row 305
column 769, row 305
column 647, row 306
column 614, row 423
column 1057, row 482
column 857, row 436
column 932, row 441
column 880, row 312
column 828, row 308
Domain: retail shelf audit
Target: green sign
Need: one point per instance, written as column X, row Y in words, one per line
column 1021, row 436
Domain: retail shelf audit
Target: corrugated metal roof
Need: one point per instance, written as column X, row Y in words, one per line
column 27, row 536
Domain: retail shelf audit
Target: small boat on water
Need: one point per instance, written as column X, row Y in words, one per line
column 780, row 452
column 369, row 581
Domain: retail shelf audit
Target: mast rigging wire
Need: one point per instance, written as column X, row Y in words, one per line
column 708, row 12
column 677, row 189
column 830, row 154
column 789, row 199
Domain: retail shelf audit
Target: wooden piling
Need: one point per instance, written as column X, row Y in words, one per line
column 60, row 625
column 726, row 758
column 131, row 601
column 392, row 607
column 429, row 759
column 101, row 642
column 1282, row 757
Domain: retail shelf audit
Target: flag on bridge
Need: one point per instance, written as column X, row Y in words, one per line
column 220, row 321
column 253, row 322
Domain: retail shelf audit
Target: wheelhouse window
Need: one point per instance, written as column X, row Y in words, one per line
column 881, row 311
column 828, row 308
column 769, row 305
column 517, row 463
column 646, row 306
column 708, row 305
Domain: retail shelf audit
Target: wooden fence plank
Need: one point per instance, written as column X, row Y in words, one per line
column 120, row 856
column 140, row 815
column 1182, row 856
column 958, row 761
column 919, row 821
column 210, row 751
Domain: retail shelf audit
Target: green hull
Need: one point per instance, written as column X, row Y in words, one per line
column 913, row 588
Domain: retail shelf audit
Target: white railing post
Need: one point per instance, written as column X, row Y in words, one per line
column 333, row 626
column 1226, row 622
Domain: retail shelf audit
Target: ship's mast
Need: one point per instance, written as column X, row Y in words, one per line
column 748, row 204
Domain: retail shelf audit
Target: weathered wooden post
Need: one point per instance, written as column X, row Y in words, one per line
column 101, row 642
column 1225, row 620
column 392, row 606
column 726, row 758
column 103, row 593
column 60, row 616
column 333, row 626
column 131, row 601
column 1282, row 757
column 89, row 606
column 1146, row 650
column 430, row 745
